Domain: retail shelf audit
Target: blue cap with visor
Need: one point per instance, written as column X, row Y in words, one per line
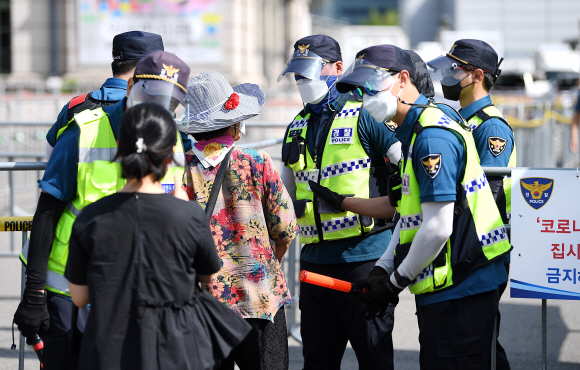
column 311, row 53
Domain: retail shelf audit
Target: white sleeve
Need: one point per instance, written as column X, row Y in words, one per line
column 289, row 181
column 436, row 228
column 387, row 261
column 48, row 150
column 394, row 153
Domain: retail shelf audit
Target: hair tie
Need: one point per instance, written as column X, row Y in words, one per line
column 140, row 145
column 232, row 102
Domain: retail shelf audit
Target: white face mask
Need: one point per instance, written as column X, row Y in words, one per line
column 242, row 128
column 312, row 91
column 383, row 105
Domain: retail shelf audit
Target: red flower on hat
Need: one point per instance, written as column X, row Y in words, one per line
column 232, row 102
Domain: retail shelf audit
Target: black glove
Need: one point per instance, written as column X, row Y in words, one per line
column 32, row 316
column 382, row 292
column 334, row 200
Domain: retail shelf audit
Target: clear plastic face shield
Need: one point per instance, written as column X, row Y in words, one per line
column 448, row 72
column 306, row 64
column 368, row 77
column 159, row 92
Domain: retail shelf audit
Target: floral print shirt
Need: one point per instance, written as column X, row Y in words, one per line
column 253, row 214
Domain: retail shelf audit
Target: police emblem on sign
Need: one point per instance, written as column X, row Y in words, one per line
column 431, row 164
column 391, row 125
column 537, row 190
column 496, row 145
column 342, row 135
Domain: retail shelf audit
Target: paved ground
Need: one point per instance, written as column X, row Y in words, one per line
column 520, row 332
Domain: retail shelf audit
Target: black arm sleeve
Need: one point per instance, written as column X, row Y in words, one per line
column 496, row 184
column 48, row 212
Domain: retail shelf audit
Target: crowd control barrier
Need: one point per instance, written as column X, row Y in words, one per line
column 23, row 224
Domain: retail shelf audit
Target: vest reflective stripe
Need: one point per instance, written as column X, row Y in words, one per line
column 496, row 235
column 340, row 223
column 56, row 283
column 89, row 155
column 345, row 168
column 411, row 222
column 301, row 176
column 473, row 123
column 73, row 209
column 491, row 242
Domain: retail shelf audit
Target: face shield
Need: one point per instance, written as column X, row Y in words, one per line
column 163, row 93
column 448, row 71
column 366, row 76
column 306, row 64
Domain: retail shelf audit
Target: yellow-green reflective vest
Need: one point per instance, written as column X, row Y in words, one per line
column 344, row 168
column 474, row 123
column 479, row 235
column 97, row 177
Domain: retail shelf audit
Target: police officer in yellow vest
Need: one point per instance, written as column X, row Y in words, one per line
column 340, row 145
column 160, row 78
column 469, row 72
column 449, row 243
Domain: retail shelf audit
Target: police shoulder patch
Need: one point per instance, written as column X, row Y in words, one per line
column 496, row 145
column 391, row 125
column 431, row 164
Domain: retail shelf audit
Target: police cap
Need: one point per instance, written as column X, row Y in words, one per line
column 135, row 45
column 386, row 57
column 472, row 52
column 324, row 46
column 161, row 67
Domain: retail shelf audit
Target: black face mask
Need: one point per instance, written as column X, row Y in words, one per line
column 452, row 92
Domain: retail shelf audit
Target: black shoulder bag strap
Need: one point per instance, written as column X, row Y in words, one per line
column 218, row 183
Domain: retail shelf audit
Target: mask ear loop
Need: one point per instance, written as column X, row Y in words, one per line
column 328, row 93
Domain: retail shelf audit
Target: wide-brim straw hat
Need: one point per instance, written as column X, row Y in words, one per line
column 214, row 104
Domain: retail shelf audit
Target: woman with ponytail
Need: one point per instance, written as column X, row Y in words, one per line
column 138, row 255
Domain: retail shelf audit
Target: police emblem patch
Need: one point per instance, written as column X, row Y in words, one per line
column 341, row 135
column 536, row 190
column 169, row 72
column 391, row 125
column 431, row 164
column 496, row 145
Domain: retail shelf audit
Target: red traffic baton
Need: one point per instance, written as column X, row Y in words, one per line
column 38, row 346
column 330, row 283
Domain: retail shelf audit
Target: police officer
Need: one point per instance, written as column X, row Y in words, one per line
column 159, row 77
column 128, row 48
column 335, row 142
column 448, row 246
column 469, row 72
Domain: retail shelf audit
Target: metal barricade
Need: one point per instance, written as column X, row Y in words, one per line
column 23, row 224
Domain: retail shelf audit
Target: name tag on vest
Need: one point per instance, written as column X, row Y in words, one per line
column 406, row 189
column 342, row 135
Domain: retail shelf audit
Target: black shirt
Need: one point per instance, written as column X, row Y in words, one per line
column 139, row 255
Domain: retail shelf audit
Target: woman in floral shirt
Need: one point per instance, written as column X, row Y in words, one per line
column 253, row 222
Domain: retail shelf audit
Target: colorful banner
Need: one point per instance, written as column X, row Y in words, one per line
column 192, row 29
column 545, row 261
